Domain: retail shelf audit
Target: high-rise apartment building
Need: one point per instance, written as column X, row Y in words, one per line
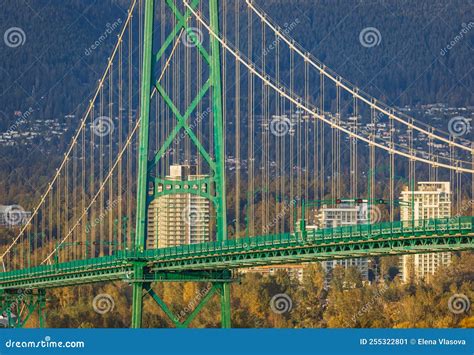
column 429, row 201
column 178, row 219
column 345, row 214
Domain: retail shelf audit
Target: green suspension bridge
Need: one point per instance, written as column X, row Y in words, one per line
column 220, row 86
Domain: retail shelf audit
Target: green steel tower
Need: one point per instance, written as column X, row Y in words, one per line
column 216, row 180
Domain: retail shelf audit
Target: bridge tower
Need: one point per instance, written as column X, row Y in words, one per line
column 215, row 182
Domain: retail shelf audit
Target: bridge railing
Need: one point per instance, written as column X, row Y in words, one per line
column 69, row 266
column 384, row 230
column 450, row 226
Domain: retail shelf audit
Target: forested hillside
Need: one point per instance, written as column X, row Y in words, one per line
column 54, row 72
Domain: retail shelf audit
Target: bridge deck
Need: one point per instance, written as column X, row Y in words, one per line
column 343, row 242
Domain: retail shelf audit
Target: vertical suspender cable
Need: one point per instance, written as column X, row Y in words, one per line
column 237, row 124
column 278, row 190
column 263, row 133
column 392, row 172
column 250, row 123
column 130, row 126
column 101, row 237
column 110, row 209
column 306, row 133
column 322, row 139
column 120, row 142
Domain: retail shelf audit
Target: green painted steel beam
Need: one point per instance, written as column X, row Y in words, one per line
column 211, row 57
column 218, row 115
column 182, row 21
column 163, row 306
column 182, row 124
column 144, row 133
column 225, row 305
column 176, row 321
column 174, row 33
column 193, row 187
column 206, row 260
column 201, row 305
column 327, row 244
column 137, row 295
column 143, row 151
column 191, row 276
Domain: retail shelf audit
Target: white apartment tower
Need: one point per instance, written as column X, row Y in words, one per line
column 345, row 214
column 430, row 200
column 178, row 219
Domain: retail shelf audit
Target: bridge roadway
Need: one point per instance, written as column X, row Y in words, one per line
column 210, row 261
